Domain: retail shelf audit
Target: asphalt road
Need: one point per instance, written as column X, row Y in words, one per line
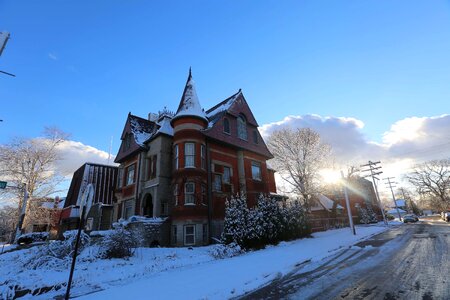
column 411, row 261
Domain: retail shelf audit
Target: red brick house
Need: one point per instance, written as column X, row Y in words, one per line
column 184, row 165
column 361, row 194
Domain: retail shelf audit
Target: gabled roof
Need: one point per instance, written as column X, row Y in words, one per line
column 233, row 105
column 141, row 131
column 189, row 103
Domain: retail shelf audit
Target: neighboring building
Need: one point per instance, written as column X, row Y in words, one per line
column 43, row 215
column 361, row 194
column 184, row 165
column 99, row 217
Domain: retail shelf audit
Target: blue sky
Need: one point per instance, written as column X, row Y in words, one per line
column 82, row 66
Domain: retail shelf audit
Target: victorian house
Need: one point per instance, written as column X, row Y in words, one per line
column 182, row 166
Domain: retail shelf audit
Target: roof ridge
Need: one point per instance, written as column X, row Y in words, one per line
column 223, row 102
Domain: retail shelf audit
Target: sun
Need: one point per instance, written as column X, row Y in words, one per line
column 330, row 175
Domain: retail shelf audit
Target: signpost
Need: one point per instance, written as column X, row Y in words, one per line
column 3, row 184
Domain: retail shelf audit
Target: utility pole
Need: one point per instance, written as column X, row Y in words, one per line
column 390, row 183
column 347, row 204
column 372, row 167
column 22, row 212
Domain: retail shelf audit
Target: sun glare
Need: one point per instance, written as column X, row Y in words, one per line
column 330, row 175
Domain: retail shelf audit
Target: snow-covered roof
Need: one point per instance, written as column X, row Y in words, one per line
column 51, row 205
column 394, row 211
column 165, row 126
column 142, row 129
column 189, row 104
column 322, row 202
column 215, row 112
column 327, row 202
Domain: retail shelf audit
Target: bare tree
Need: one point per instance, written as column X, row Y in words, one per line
column 299, row 155
column 8, row 221
column 32, row 162
column 432, row 181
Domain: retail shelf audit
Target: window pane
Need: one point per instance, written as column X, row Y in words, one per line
column 217, row 182
column 130, row 175
column 189, row 154
column 256, row 171
column 242, row 128
column 189, row 187
column 189, row 229
column 226, row 174
column 189, row 161
column 175, row 157
column 189, row 148
column 226, row 125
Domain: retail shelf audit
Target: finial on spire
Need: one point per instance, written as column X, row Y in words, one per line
column 190, row 73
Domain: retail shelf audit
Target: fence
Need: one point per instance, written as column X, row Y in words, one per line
column 323, row 224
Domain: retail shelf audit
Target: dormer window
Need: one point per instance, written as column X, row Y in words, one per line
column 242, row 127
column 226, row 126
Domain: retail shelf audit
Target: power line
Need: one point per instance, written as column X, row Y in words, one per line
column 373, row 167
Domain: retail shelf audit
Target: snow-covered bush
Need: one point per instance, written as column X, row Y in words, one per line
column 367, row 215
column 120, row 243
column 295, row 223
column 267, row 223
column 221, row 251
column 57, row 254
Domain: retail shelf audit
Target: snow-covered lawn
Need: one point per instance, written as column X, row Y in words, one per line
column 171, row 273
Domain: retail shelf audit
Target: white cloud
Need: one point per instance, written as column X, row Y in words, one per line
column 75, row 154
column 409, row 141
column 52, row 56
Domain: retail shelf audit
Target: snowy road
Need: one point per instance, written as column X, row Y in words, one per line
column 408, row 262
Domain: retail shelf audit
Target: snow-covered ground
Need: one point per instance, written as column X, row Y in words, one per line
column 167, row 273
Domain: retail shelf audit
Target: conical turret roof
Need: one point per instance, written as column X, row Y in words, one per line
column 189, row 104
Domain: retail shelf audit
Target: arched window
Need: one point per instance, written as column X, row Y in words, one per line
column 226, row 125
column 242, row 127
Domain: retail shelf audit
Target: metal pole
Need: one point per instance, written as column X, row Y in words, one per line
column 347, row 204
column 74, row 258
column 393, row 198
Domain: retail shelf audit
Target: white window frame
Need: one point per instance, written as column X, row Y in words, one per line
column 175, row 156
column 189, row 155
column 256, row 176
column 191, row 234
column 188, row 194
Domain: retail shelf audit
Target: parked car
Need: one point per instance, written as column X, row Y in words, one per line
column 446, row 216
column 29, row 238
column 410, row 218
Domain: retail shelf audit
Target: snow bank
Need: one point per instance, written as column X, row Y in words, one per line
column 223, row 279
column 170, row 273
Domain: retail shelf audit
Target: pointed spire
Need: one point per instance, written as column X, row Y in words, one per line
column 189, row 104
